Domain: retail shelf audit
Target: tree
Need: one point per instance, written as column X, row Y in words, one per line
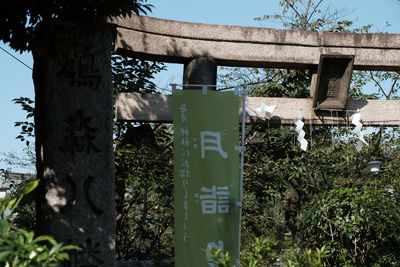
column 143, row 172
column 359, row 225
column 71, row 43
column 281, row 182
column 21, row 21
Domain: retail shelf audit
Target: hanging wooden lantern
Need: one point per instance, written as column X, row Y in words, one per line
column 333, row 81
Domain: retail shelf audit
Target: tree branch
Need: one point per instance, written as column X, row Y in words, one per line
column 392, row 88
column 293, row 8
column 377, row 83
column 314, row 10
column 307, row 9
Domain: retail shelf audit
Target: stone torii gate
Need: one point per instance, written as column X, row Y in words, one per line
column 203, row 47
column 74, row 148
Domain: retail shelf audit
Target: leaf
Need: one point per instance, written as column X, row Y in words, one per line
column 45, row 238
column 11, row 203
column 50, row 239
column 43, row 256
column 3, row 204
column 4, row 228
column 4, row 254
column 69, row 247
column 55, row 249
column 32, row 254
column 28, row 235
column 29, row 187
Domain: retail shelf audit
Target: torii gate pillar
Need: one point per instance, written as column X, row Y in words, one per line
column 201, row 70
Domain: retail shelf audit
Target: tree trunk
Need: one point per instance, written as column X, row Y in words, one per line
column 73, row 128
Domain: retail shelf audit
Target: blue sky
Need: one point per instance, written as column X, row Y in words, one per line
column 16, row 79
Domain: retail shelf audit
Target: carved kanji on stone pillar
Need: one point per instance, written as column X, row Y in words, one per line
column 74, row 149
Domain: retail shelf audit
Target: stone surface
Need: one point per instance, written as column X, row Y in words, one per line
column 174, row 41
column 200, row 70
column 158, row 108
column 75, row 163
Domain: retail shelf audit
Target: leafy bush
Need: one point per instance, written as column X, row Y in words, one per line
column 264, row 252
column 309, row 258
column 217, row 257
column 20, row 247
column 260, row 251
column 358, row 226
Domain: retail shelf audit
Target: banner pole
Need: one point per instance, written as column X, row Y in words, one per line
column 244, row 93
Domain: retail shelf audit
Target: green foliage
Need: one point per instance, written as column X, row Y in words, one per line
column 134, row 75
column 25, row 212
column 27, row 127
column 143, row 172
column 307, row 15
column 261, row 251
column 217, row 257
column 20, row 247
column 309, row 258
column 20, row 19
column 357, row 225
column 144, row 167
column 280, row 181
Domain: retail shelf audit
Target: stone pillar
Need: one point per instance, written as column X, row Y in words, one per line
column 200, row 70
column 313, row 84
column 75, row 161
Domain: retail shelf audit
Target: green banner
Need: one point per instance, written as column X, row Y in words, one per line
column 206, row 175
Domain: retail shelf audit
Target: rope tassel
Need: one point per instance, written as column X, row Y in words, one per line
column 265, row 110
column 357, row 122
column 299, row 129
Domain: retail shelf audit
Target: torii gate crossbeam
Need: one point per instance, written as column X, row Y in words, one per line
column 182, row 42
